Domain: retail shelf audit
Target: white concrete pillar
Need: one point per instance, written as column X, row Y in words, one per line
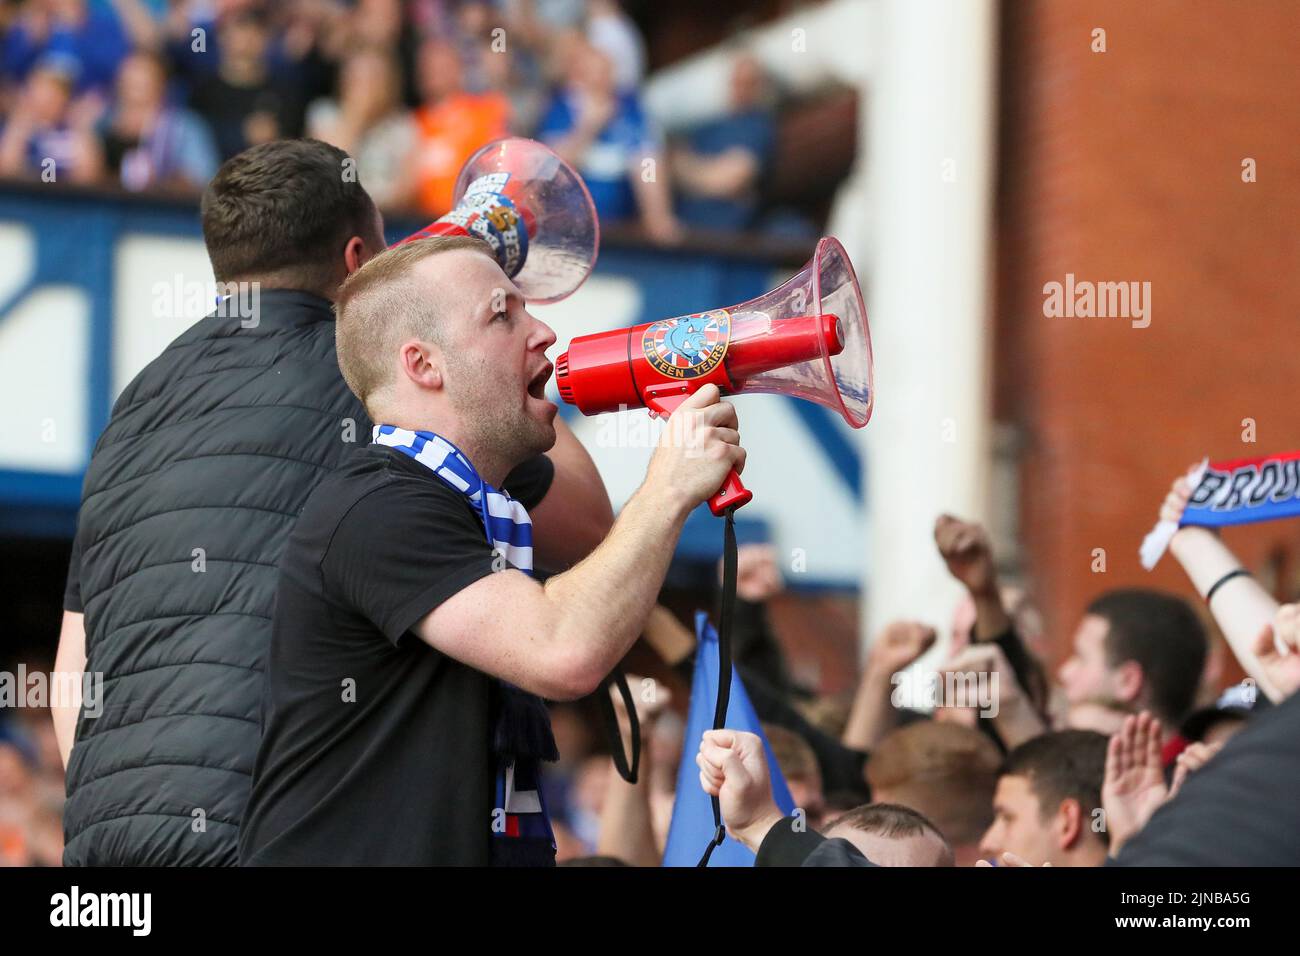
column 926, row 259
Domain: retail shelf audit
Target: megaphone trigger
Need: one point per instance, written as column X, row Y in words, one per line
column 663, row 400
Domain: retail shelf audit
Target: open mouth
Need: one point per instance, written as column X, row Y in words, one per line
column 537, row 385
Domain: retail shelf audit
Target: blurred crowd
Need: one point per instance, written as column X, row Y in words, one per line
column 155, row 94
column 964, row 749
column 31, row 788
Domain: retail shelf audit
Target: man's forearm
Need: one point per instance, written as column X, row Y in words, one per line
column 69, row 659
column 1017, row 722
column 990, row 615
column 668, row 637
column 872, row 714
column 1241, row 607
column 626, row 822
column 626, row 826
column 602, row 603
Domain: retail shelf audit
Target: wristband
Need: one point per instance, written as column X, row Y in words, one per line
column 1236, row 573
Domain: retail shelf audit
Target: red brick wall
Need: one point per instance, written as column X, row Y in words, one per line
column 1126, row 165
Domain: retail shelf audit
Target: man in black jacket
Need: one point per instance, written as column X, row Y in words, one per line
column 190, row 496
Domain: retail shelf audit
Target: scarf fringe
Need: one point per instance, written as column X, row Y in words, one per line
column 524, row 727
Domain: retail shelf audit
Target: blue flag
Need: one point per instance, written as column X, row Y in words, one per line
column 692, row 826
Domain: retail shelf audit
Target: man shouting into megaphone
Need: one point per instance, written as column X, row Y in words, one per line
column 411, row 647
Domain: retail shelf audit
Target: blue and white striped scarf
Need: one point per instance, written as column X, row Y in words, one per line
column 509, row 529
column 523, row 733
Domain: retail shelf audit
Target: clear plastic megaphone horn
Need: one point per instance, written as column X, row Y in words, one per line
column 533, row 210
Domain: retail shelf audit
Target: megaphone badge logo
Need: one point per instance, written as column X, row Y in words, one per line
column 688, row 346
column 487, row 212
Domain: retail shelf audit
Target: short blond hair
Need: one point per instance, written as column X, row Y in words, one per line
column 942, row 770
column 379, row 305
column 794, row 756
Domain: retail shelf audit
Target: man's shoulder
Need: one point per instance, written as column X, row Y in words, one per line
column 249, row 312
column 288, row 334
column 385, row 538
column 362, row 472
column 377, row 488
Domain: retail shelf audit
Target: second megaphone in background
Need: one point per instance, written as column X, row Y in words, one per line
column 533, row 210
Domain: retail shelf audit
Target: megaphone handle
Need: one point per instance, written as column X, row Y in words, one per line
column 663, row 401
column 733, row 494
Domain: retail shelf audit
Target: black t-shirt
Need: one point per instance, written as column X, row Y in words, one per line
column 376, row 748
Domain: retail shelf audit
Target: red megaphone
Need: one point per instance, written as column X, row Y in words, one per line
column 807, row 339
column 533, row 210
